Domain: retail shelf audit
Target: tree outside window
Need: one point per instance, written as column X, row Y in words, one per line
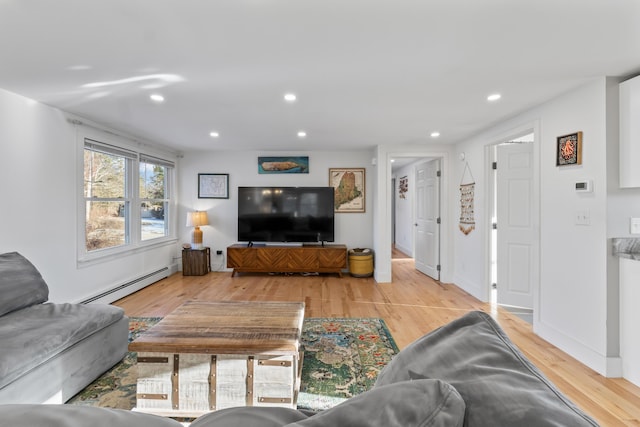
column 154, row 203
column 110, row 194
column 106, row 204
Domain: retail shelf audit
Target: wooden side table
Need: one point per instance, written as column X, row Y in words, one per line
column 196, row 262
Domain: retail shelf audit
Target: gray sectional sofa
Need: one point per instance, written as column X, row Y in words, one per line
column 466, row 373
column 49, row 352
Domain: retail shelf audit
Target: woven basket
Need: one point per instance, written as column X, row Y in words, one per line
column 361, row 262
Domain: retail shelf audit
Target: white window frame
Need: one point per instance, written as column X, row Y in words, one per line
column 133, row 242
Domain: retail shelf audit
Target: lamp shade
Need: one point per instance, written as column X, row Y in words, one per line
column 197, row 218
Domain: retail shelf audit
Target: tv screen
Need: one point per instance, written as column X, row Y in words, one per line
column 285, row 214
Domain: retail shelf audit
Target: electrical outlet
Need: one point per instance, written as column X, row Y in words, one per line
column 218, row 252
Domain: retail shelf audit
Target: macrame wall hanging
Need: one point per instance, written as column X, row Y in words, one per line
column 467, row 190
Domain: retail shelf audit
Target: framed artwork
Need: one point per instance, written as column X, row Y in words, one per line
column 213, row 186
column 569, row 149
column 291, row 164
column 403, row 187
column 349, row 189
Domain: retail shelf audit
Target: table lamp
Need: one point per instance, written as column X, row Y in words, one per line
column 196, row 219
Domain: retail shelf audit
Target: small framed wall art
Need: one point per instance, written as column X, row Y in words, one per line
column 213, row 186
column 291, row 164
column 349, row 189
column 403, row 187
column 569, row 149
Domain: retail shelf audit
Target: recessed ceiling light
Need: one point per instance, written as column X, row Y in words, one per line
column 156, row 97
column 152, row 86
column 79, row 67
column 214, row 134
column 290, row 97
column 435, row 134
column 302, row 134
column 494, row 97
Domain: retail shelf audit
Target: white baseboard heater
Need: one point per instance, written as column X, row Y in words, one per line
column 127, row 288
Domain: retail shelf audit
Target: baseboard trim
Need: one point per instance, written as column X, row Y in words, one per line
column 607, row 366
column 122, row 290
column 471, row 287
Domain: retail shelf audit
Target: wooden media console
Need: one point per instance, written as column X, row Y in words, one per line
column 287, row 259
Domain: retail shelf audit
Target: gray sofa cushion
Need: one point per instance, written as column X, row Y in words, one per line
column 21, row 285
column 77, row 416
column 37, row 333
column 500, row 387
column 251, row 416
column 423, row 403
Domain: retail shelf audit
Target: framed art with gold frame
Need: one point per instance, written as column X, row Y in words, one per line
column 349, row 189
column 569, row 149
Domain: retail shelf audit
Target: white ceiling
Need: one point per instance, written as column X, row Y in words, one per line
column 365, row 72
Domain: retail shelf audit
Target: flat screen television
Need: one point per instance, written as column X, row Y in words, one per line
column 285, row 214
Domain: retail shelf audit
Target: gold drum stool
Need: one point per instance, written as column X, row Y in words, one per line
column 361, row 262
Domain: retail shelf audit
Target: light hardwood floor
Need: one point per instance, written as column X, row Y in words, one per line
column 411, row 305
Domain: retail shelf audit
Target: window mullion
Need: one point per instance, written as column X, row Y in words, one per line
column 134, row 197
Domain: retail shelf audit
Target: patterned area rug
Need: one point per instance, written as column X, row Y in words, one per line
column 342, row 358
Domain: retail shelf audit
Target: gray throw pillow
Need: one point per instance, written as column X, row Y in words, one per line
column 424, row 403
column 499, row 385
column 251, row 416
column 21, row 285
column 77, row 416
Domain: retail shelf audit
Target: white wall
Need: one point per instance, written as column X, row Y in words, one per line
column 351, row 229
column 39, row 191
column 470, row 262
column 573, row 307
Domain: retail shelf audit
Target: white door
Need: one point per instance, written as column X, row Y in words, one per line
column 427, row 218
column 515, row 228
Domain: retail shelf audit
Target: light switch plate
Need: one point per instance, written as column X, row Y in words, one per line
column 634, row 225
column 583, row 217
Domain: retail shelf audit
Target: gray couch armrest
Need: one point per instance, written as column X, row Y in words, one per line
column 499, row 385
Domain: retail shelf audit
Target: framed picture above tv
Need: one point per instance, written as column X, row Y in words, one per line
column 349, row 188
column 291, row 164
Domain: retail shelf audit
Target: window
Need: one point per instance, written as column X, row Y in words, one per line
column 153, row 197
column 127, row 198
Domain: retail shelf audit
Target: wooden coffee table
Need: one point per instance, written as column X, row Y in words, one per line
column 206, row 356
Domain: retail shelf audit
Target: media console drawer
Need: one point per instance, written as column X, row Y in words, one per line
column 287, row 259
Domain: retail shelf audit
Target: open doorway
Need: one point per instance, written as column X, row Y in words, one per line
column 397, row 251
column 416, row 213
column 513, row 237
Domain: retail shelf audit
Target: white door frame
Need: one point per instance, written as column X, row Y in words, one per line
column 382, row 207
column 533, row 127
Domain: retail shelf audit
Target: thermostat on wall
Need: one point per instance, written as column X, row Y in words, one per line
column 584, row 186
